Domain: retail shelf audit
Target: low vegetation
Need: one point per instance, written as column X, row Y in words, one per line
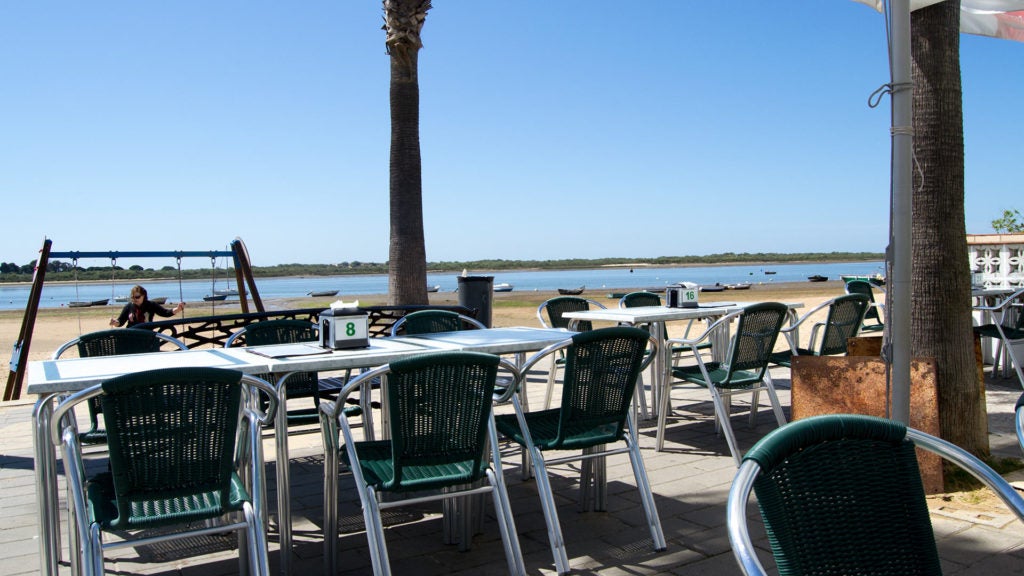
column 58, row 270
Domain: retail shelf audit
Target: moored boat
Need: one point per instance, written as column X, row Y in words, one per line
column 159, row 300
column 817, row 278
column 215, row 297
column 321, row 293
column 716, row 287
column 572, row 291
column 503, row 287
column 740, row 286
column 434, row 288
column 87, row 303
column 226, row 292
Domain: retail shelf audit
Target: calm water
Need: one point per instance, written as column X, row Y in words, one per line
column 57, row 295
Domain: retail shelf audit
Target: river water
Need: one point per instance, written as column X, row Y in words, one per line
column 14, row 297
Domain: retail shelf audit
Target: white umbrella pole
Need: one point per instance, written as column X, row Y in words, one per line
column 898, row 307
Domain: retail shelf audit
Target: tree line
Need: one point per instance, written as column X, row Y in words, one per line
column 57, row 270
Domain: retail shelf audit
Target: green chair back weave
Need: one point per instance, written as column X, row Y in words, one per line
column 842, row 494
column 440, row 405
column 558, row 306
column 844, row 321
column 756, row 332
column 601, row 371
column 172, row 435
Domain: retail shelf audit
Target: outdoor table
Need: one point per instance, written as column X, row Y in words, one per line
column 656, row 317
column 51, row 379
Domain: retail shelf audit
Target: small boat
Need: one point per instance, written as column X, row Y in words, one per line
column 769, row 271
column 159, row 300
column 572, row 291
column 503, row 287
column 215, row 297
column 226, row 292
column 321, row 293
column 87, row 303
column 715, row 288
column 121, row 298
column 740, row 286
column 817, row 278
column 434, row 288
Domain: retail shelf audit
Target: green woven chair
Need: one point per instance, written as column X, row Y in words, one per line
column 844, row 321
column 872, row 317
column 302, row 384
column 551, row 315
column 842, row 494
column 433, row 321
column 601, row 371
column 1007, row 330
column 183, row 451
column 112, row 343
column 745, row 369
column 441, row 426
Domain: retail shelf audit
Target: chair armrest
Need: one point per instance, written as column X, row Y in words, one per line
column 517, row 378
column 736, row 519
column 260, row 385
column 971, row 463
column 706, row 334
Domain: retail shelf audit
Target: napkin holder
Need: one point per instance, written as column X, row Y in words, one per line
column 343, row 328
column 681, row 297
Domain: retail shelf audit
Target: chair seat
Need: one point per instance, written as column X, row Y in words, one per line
column 544, row 424
column 991, row 331
column 785, row 358
column 377, row 462
column 741, row 379
column 150, row 513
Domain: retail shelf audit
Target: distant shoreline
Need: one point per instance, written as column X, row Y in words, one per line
column 474, row 272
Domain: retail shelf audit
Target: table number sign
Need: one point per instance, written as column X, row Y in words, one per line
column 344, row 326
column 682, row 296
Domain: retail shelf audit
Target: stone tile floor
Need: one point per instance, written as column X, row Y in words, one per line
column 690, row 480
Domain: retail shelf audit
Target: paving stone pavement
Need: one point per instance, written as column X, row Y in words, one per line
column 690, row 480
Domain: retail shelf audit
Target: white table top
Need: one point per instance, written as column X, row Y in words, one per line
column 71, row 374
column 643, row 314
column 492, row 341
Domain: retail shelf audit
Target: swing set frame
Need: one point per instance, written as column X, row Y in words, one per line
column 19, row 356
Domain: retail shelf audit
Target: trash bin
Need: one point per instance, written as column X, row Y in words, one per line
column 477, row 292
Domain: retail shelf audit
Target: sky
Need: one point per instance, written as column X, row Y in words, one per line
column 548, row 129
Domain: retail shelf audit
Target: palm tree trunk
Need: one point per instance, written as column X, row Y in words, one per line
column 941, row 324
column 407, row 260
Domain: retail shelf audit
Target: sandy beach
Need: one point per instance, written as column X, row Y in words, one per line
column 54, row 326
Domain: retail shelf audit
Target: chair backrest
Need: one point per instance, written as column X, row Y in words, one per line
column 171, row 431
column 864, row 287
column 845, row 317
column 117, row 342
column 844, row 492
column 550, row 313
column 601, row 371
column 757, row 329
column 637, row 299
column 266, row 332
column 433, row 321
column 440, row 405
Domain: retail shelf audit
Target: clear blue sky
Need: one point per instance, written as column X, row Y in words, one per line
column 549, row 129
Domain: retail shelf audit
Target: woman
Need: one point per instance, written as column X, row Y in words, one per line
column 141, row 309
